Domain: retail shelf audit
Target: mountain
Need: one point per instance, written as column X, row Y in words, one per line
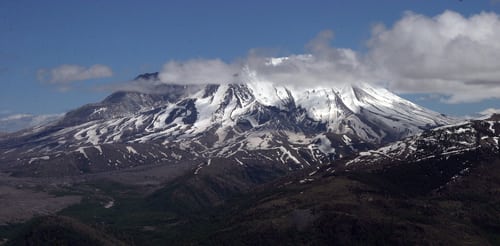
column 260, row 164
column 16, row 122
column 240, row 123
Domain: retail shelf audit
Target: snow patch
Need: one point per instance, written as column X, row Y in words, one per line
column 367, row 153
column 82, row 151
column 110, row 204
column 99, row 110
column 308, row 180
column 198, row 169
column 239, row 162
column 131, row 150
column 463, row 130
column 296, row 138
column 39, row 158
column 325, row 145
column 176, row 156
column 98, row 147
column 259, row 142
column 492, row 123
column 286, row 153
column 346, row 139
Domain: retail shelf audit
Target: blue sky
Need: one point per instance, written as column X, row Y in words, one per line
column 133, row 37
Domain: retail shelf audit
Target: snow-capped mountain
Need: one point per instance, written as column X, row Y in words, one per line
column 255, row 121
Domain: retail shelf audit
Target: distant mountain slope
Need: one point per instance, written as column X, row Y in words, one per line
column 18, row 122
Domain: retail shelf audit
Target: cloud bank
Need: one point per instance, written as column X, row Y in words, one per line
column 449, row 54
column 65, row 73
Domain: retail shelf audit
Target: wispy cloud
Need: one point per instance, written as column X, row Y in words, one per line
column 15, row 122
column 199, row 72
column 65, row 73
column 490, row 111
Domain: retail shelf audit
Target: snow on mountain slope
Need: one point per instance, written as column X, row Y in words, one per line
column 432, row 161
column 442, row 142
column 256, row 120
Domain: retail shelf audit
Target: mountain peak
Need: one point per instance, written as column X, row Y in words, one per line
column 148, row 76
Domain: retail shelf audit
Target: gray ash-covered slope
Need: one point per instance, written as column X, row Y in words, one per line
column 252, row 122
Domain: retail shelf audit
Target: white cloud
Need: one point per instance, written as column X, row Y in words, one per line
column 490, row 111
column 448, row 54
column 451, row 55
column 324, row 65
column 69, row 73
